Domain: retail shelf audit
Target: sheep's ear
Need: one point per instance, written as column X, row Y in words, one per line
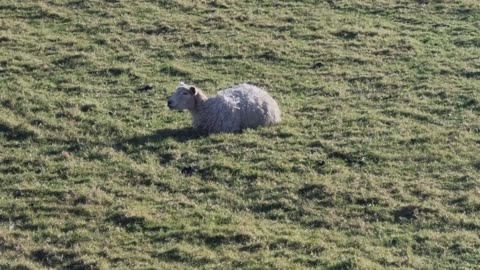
column 193, row 91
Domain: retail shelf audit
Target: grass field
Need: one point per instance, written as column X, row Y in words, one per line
column 376, row 164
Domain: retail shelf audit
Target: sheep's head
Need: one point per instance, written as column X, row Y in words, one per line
column 184, row 98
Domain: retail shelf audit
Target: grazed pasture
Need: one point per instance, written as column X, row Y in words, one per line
column 375, row 166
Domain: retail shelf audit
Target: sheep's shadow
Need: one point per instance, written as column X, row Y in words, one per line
column 179, row 135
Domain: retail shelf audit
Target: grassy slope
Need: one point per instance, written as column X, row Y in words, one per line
column 376, row 164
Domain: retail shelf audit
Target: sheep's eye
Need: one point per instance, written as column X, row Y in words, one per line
column 185, row 93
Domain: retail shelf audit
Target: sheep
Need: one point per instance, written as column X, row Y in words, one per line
column 231, row 110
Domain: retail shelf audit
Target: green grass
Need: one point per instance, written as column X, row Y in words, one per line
column 375, row 166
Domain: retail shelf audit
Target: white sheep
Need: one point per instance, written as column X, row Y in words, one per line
column 231, row 110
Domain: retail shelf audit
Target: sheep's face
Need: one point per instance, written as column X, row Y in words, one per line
column 183, row 99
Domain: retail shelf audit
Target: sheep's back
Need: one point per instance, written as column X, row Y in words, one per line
column 237, row 108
